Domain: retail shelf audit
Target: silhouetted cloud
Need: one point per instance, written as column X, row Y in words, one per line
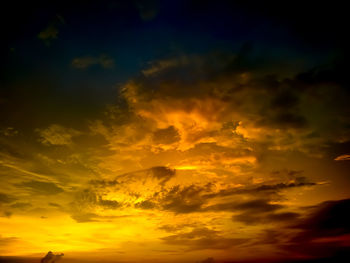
column 324, row 232
column 327, row 220
column 51, row 257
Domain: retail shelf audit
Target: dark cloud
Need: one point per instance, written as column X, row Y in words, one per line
column 166, row 136
column 109, row 204
column 182, row 199
column 262, row 211
column 251, row 218
column 20, row 205
column 328, row 220
column 273, row 101
column 194, row 198
column 51, row 257
column 85, row 217
column 104, row 183
column 43, row 188
column 54, row 205
column 93, row 217
column 5, row 214
column 258, row 206
column 89, row 199
column 87, row 202
column 162, row 173
column 255, row 211
column 5, row 198
column 147, row 204
column 262, row 188
column 203, row 238
column 325, row 232
column 175, row 228
column 178, row 199
column 85, row 198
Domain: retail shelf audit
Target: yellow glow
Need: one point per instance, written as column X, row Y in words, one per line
column 186, row 167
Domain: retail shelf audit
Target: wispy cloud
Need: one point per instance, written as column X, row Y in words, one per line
column 344, row 157
column 85, row 62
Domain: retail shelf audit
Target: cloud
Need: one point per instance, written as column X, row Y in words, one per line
column 93, row 217
column 182, row 199
column 325, row 232
column 251, row 218
column 327, row 220
column 5, row 198
column 50, row 33
column 54, row 204
column 87, row 205
column 20, row 205
column 237, row 206
column 162, row 173
column 85, row 62
column 147, row 204
column 109, row 204
column 203, row 238
column 6, row 242
column 156, row 176
column 260, row 206
column 57, row 135
column 256, row 211
column 197, row 95
column 176, row 227
column 86, row 217
column 344, row 157
column 162, row 65
column 104, row 183
column 166, row 136
column 42, row 188
column 51, row 257
column 298, row 181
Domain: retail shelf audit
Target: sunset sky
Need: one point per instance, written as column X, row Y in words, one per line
column 174, row 131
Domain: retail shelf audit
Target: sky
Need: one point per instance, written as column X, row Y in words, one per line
column 174, row 131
